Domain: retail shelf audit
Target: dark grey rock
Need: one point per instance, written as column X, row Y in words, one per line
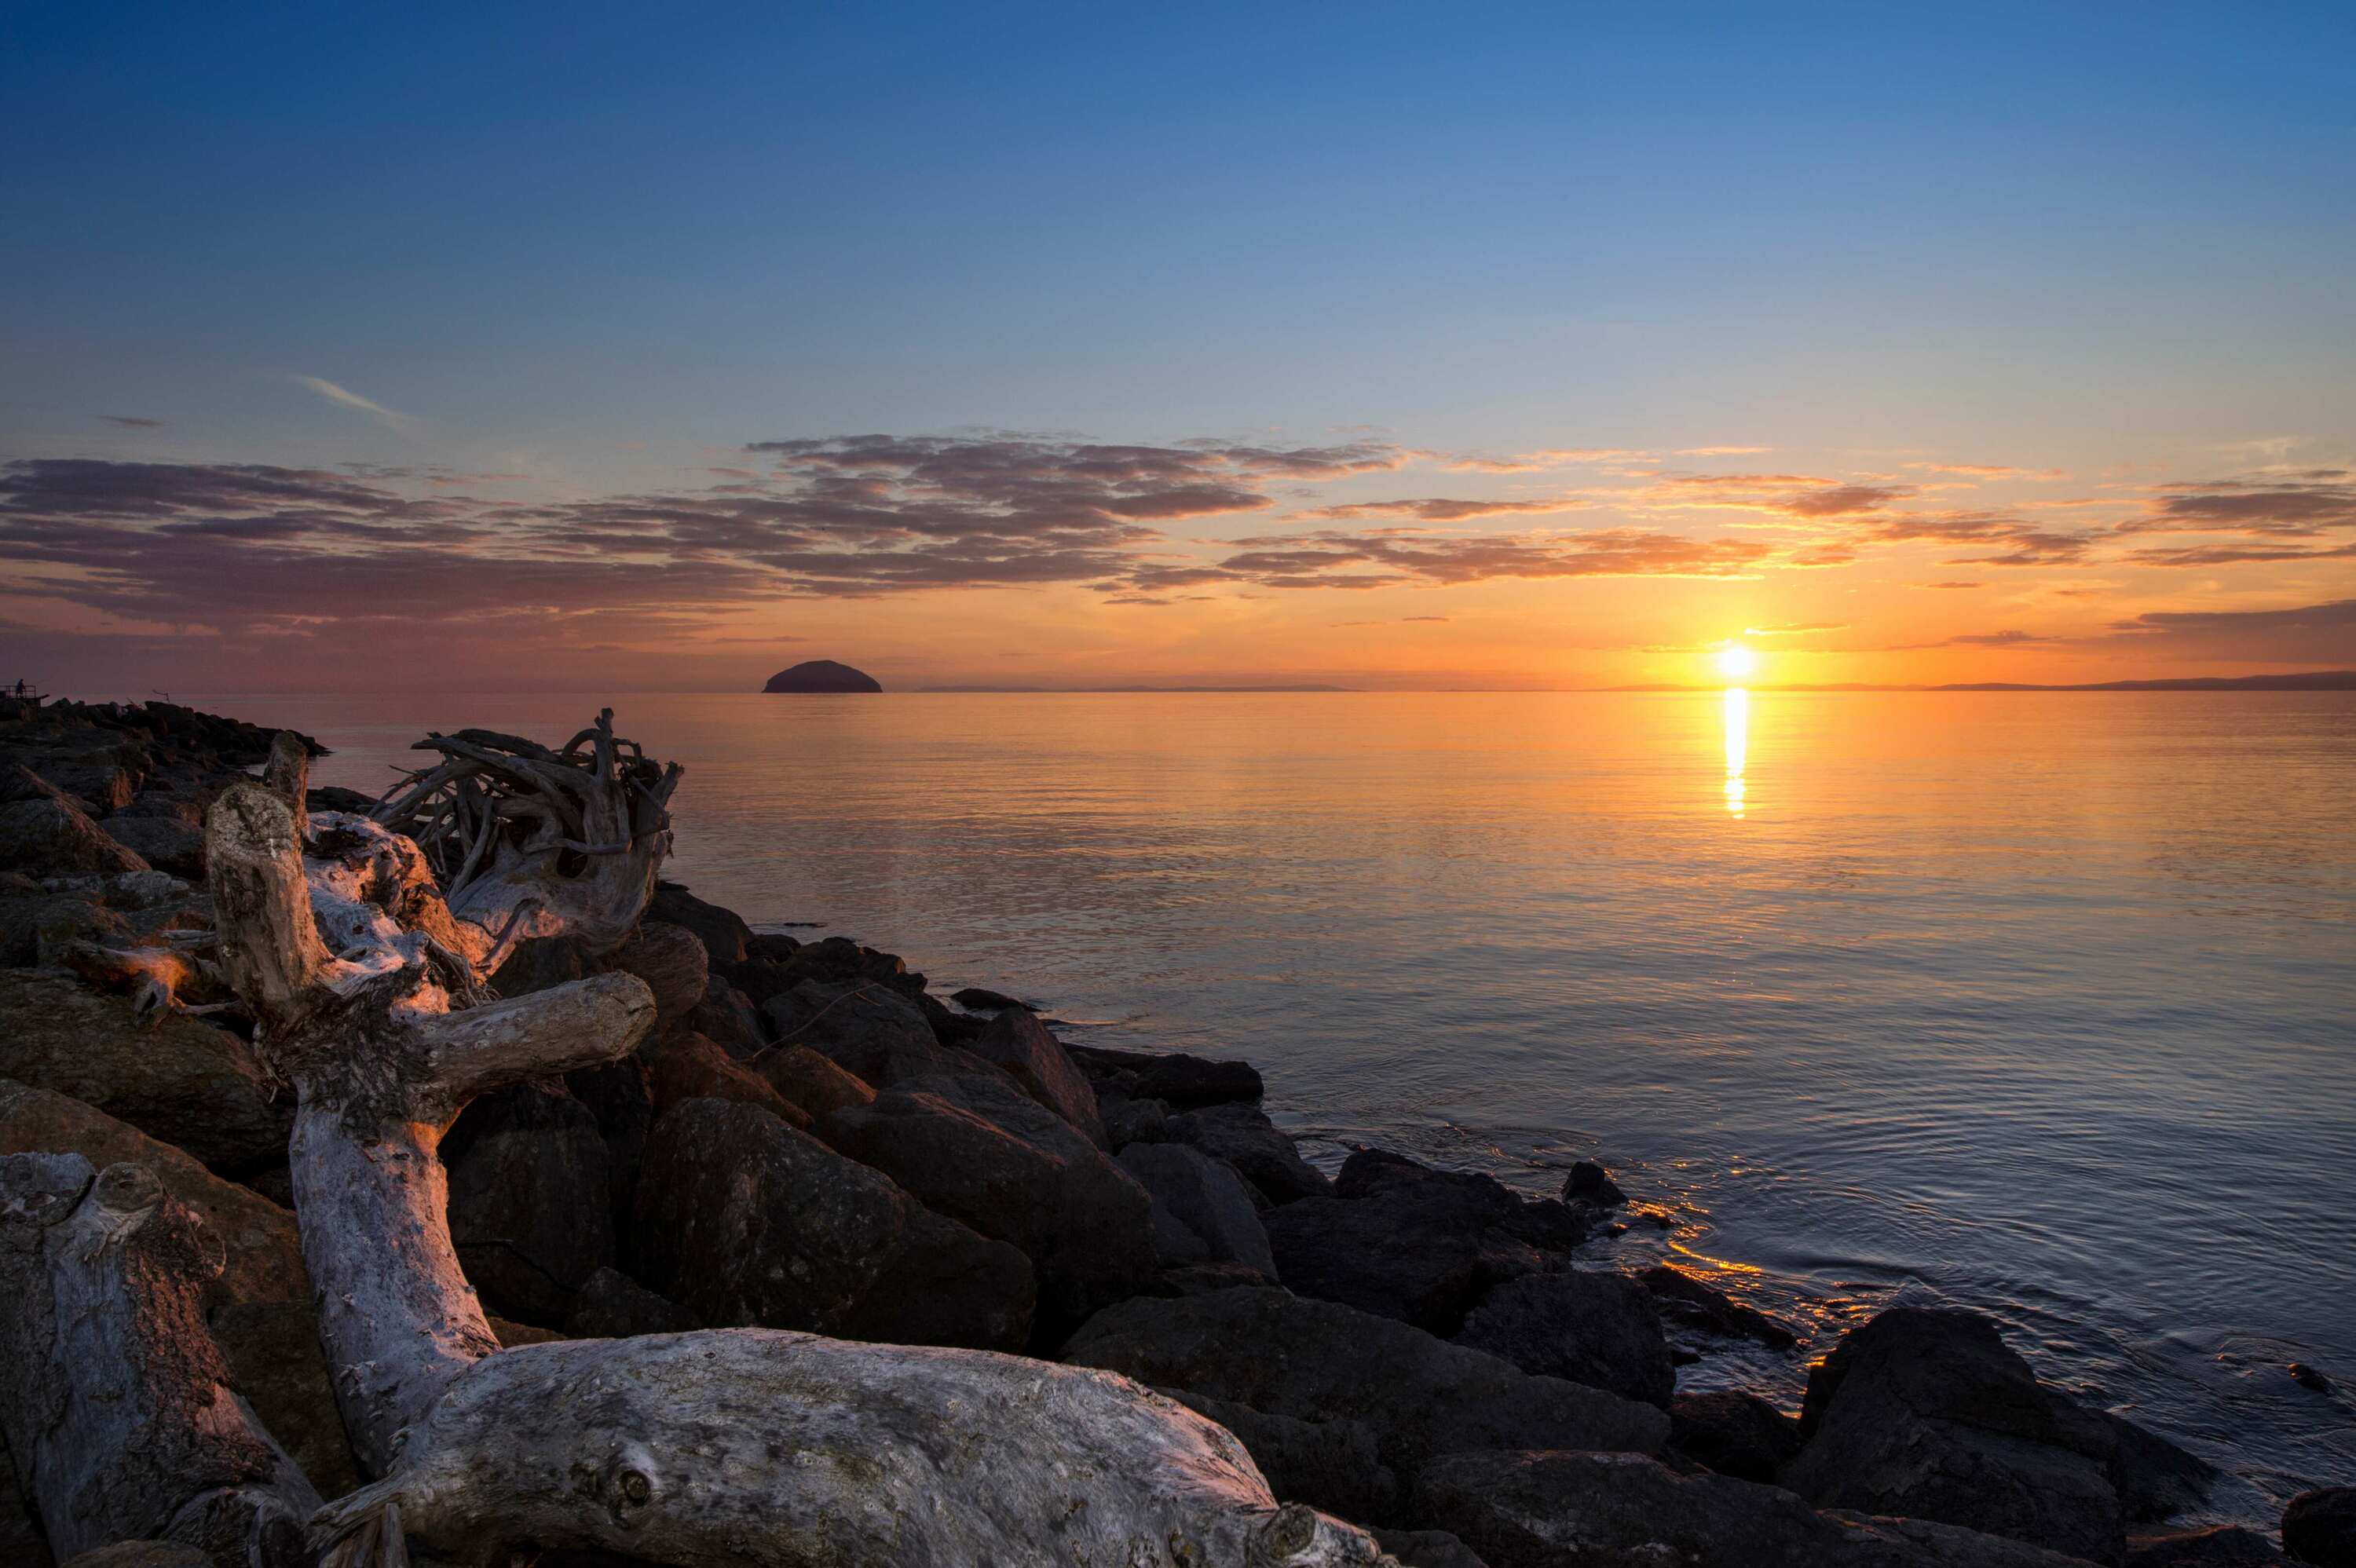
column 1584, row 1325
column 982, row 1152
column 2320, row 1527
column 1206, row 1198
column 531, row 1199
column 1427, row 1548
column 1336, row 1465
column 1247, row 1139
column 45, row 832
column 983, row 1000
column 1590, row 1183
column 275, row 1362
column 1924, row 1413
column 610, row 1305
column 722, row 934
column 1686, row 1301
column 1567, row 1509
column 744, row 1220
column 164, row 842
column 175, row 1078
column 671, row 960
column 867, row 1028
column 726, row 1016
column 1016, row 1040
column 1315, row 1361
column 1128, row 1121
column 1733, row 1433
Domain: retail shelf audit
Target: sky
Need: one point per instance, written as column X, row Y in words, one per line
column 607, row 348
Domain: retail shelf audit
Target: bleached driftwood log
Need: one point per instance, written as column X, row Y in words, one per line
column 729, row 1447
column 115, row 1403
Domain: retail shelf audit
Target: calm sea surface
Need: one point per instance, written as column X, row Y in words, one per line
column 2043, row 1003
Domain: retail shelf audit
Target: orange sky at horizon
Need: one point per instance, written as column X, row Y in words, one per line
column 1025, row 560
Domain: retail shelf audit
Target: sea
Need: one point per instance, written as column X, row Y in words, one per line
column 2041, row 1003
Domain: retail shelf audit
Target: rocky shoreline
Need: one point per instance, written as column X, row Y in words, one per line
column 808, row 1138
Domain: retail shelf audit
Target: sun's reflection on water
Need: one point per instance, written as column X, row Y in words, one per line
column 1737, row 742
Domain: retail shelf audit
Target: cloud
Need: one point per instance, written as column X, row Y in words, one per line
column 1803, row 495
column 1535, row 461
column 1942, row 585
column 1988, row 471
column 263, row 549
column 2313, row 634
column 1437, row 510
column 1796, row 629
column 2301, row 504
column 1722, row 450
column 132, row 422
column 2006, row 639
column 2013, row 541
column 2235, row 554
column 351, row 400
column 1316, row 559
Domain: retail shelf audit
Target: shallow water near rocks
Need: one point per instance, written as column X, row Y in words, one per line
column 2043, row 1003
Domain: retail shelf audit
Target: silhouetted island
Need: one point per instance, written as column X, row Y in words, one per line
column 822, row 674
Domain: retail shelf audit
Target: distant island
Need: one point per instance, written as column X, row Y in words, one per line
column 822, row 674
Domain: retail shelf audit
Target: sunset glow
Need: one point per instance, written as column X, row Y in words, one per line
column 1737, row 663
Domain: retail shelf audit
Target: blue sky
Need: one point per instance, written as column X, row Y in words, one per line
column 592, row 244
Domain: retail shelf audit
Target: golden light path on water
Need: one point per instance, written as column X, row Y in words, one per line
column 1738, row 742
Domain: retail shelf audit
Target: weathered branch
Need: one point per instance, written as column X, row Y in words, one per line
column 115, row 1403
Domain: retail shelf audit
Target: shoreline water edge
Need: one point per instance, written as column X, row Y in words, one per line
column 809, row 1140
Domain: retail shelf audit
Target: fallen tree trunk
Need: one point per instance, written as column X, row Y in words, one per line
column 728, row 1447
column 115, row 1403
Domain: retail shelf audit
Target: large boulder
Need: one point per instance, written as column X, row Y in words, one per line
column 817, row 1084
column 727, row 1017
column 672, row 962
column 1016, row 1040
column 1206, row 1201
column 610, row 1305
column 1926, row 1413
column 166, row 843
column 1336, row 1465
column 2320, row 1527
column 1588, row 1326
column 1692, row 1304
column 1175, row 1077
column 173, row 1077
column 275, row 1362
column 868, row 1029
column 264, row 1251
column 531, row 1199
column 1559, row 1510
column 982, row 1152
column 1315, row 1361
column 722, row 934
column 1734, row 1432
column 1247, row 1139
column 690, row 1067
column 746, row 1221
column 44, row 832
column 1420, row 1245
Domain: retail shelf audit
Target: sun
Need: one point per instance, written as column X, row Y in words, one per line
column 1736, row 662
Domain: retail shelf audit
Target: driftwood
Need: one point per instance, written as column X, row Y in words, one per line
column 116, row 1404
column 726, row 1446
column 525, row 841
